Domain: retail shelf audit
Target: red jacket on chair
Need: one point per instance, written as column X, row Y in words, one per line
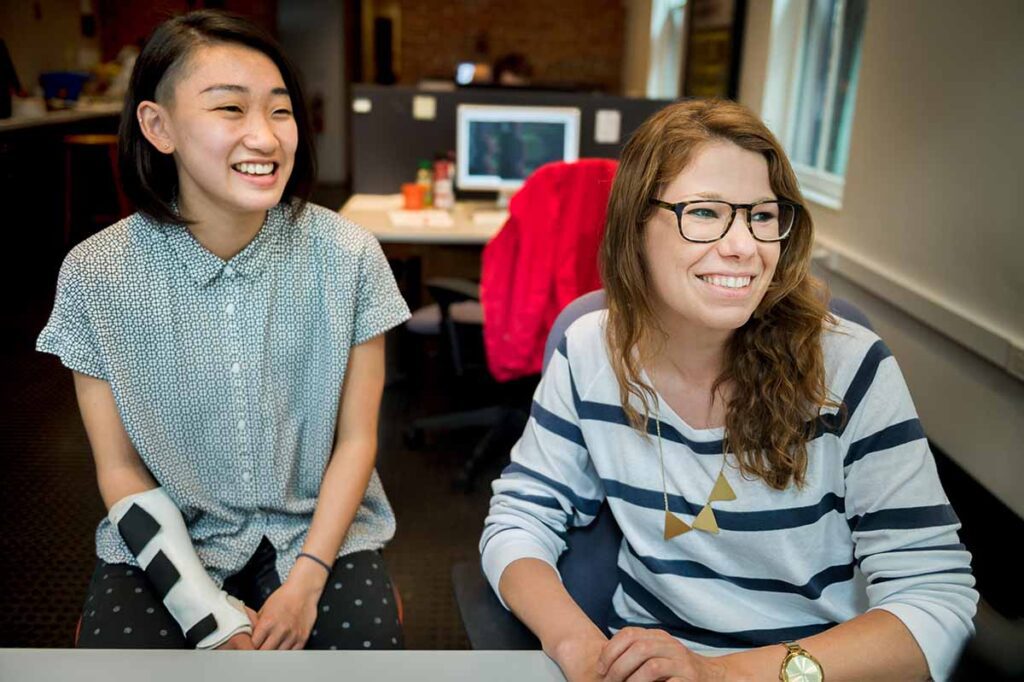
column 544, row 257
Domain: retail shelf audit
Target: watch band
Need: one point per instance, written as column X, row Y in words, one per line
column 793, row 647
column 799, row 665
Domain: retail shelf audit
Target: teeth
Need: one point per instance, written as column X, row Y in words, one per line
column 255, row 168
column 728, row 282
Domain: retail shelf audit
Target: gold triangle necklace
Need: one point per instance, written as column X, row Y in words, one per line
column 705, row 520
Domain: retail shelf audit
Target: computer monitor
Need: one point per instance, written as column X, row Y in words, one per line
column 498, row 147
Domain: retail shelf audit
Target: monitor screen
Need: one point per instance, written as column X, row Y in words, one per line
column 498, row 147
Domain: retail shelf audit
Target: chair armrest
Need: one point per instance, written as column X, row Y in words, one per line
column 489, row 625
column 995, row 652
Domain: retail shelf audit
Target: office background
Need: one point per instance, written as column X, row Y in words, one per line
column 926, row 240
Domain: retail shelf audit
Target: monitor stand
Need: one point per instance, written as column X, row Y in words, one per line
column 504, row 196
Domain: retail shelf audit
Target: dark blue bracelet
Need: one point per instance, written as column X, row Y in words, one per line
column 316, row 559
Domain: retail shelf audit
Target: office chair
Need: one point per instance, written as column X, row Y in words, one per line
column 587, row 567
column 543, row 258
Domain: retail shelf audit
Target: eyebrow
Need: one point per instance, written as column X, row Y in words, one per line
column 715, row 196
column 229, row 87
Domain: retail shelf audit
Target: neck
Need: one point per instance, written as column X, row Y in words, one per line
column 697, row 354
column 223, row 233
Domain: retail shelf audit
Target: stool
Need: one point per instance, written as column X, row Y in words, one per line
column 83, row 142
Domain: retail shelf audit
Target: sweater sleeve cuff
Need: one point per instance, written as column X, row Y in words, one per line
column 506, row 547
column 940, row 645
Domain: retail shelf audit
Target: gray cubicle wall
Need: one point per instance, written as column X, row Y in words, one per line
column 387, row 141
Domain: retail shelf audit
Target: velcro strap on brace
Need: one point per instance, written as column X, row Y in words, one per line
column 154, row 531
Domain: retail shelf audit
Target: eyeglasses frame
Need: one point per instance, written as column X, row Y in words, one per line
column 680, row 206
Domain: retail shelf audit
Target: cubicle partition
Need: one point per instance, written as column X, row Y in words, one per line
column 393, row 127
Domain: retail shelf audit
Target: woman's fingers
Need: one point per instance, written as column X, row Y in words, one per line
column 640, row 654
column 273, row 638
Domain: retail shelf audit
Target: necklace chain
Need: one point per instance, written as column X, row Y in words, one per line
column 705, row 520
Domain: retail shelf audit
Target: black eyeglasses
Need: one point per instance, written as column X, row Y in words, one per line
column 708, row 221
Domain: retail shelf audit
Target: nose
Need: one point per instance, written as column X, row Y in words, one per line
column 259, row 135
column 738, row 241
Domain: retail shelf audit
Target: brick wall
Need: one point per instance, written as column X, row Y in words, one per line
column 126, row 22
column 565, row 41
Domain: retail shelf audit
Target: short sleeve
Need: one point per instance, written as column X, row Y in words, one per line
column 379, row 304
column 70, row 332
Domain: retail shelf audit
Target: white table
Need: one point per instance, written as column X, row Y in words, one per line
column 84, row 113
column 109, row 665
column 370, row 211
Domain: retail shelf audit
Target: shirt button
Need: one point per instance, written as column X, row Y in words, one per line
column 229, row 271
column 230, row 308
column 246, row 476
column 236, row 368
column 241, row 425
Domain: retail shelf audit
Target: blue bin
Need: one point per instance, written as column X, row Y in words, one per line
column 62, row 86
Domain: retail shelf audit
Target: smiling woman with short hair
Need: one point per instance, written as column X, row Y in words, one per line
column 228, row 356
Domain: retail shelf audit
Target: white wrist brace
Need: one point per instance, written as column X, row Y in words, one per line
column 155, row 532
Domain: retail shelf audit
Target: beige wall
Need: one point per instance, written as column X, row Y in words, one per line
column 311, row 33
column 49, row 43
column 933, row 203
column 637, row 47
column 754, row 58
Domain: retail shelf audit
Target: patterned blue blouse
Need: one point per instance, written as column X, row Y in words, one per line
column 227, row 375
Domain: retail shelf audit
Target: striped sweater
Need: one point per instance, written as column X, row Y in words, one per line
column 871, row 528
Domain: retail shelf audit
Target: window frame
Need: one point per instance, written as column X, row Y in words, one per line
column 787, row 46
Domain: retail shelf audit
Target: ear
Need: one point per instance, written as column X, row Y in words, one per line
column 156, row 126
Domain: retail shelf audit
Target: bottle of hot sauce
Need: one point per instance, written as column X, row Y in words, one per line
column 424, row 178
column 444, row 195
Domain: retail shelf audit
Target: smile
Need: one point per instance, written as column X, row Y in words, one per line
column 255, row 168
column 727, row 282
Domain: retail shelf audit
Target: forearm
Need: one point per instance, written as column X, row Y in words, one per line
column 119, row 469
column 341, row 492
column 118, row 481
column 874, row 646
column 534, row 593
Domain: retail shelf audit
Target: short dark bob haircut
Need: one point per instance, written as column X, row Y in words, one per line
column 150, row 178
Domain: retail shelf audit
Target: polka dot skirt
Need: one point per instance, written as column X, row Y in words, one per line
column 357, row 608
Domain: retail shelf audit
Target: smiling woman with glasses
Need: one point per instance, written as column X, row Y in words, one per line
column 761, row 456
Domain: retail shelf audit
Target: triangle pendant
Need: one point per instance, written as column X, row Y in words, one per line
column 705, row 521
column 674, row 526
column 722, row 490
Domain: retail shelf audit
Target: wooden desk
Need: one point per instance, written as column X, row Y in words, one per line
column 111, row 665
column 422, row 253
column 371, row 212
column 84, row 113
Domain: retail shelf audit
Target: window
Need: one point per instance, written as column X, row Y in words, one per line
column 666, row 48
column 812, row 86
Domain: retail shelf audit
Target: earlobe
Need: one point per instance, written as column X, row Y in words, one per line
column 155, row 127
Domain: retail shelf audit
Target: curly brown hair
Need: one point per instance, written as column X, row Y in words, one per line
column 774, row 363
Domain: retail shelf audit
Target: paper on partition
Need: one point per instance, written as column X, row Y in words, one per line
column 374, row 202
column 423, row 218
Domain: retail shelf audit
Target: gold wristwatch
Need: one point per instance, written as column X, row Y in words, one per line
column 799, row 665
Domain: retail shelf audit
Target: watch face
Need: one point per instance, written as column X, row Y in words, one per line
column 802, row 669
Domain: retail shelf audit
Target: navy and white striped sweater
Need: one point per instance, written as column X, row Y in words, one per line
column 872, row 527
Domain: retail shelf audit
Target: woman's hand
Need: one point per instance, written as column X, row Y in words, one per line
column 243, row 640
column 642, row 655
column 287, row 616
column 578, row 656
